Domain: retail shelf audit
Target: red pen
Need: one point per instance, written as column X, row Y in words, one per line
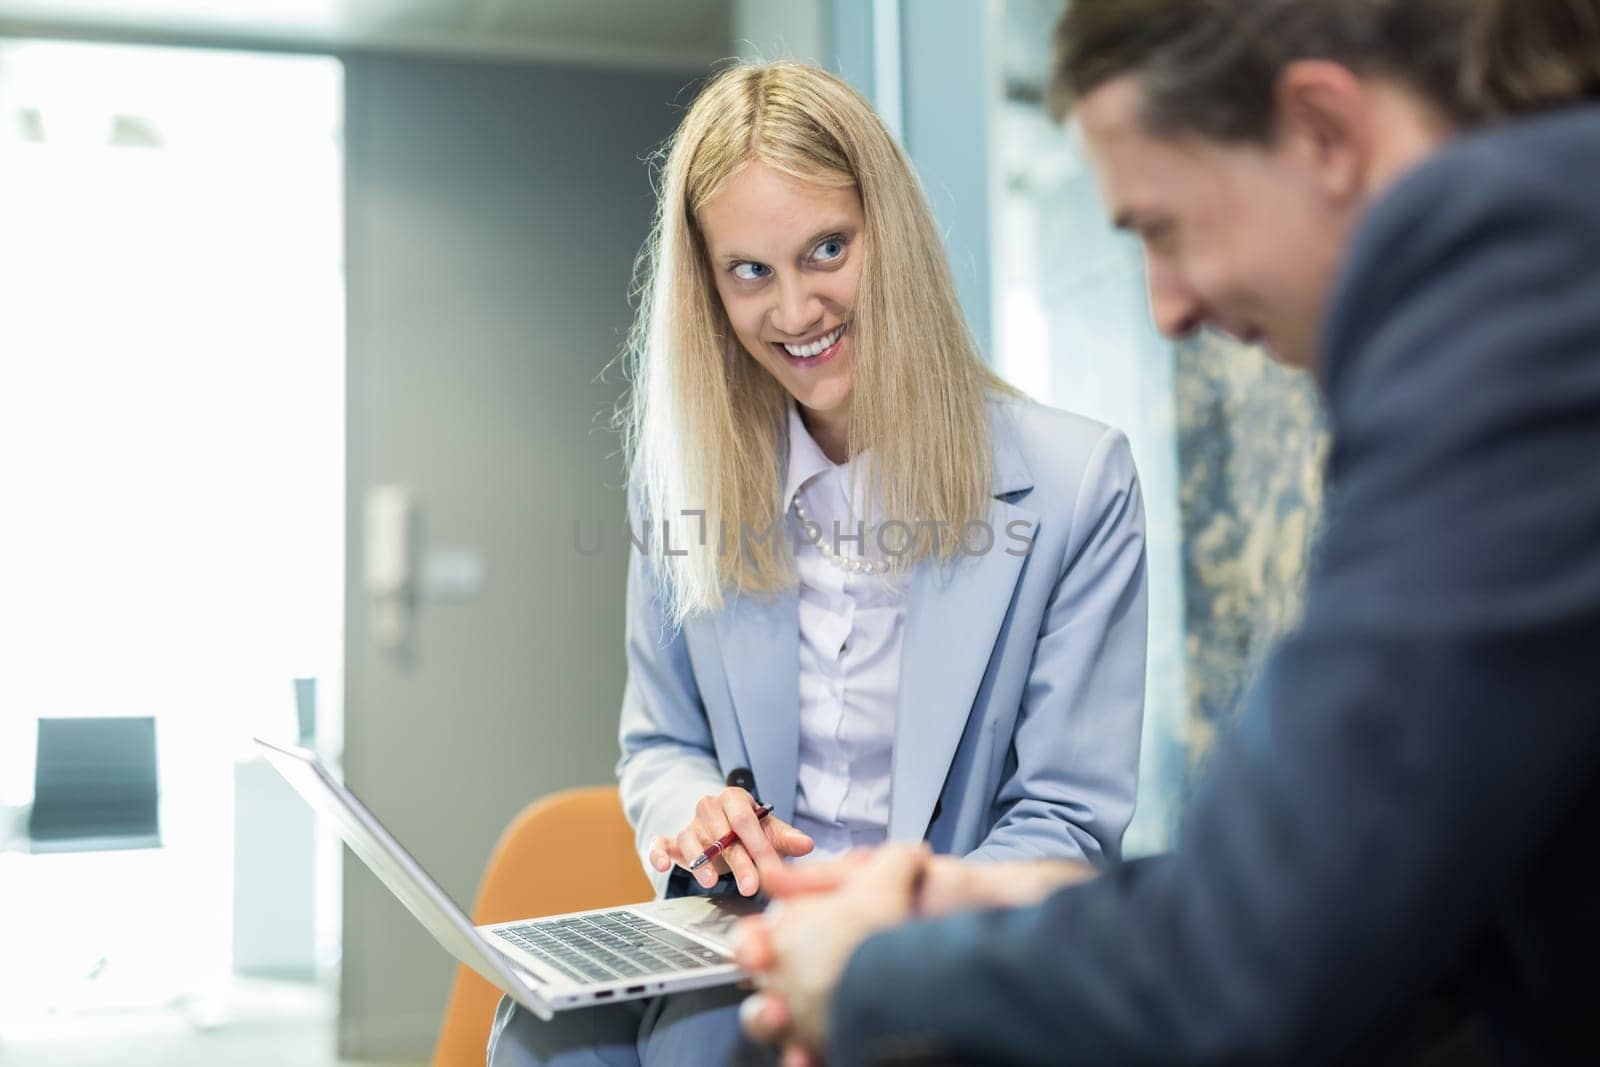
column 725, row 842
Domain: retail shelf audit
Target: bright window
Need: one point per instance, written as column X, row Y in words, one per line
column 171, row 469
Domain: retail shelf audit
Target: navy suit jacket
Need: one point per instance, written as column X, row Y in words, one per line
column 1411, row 795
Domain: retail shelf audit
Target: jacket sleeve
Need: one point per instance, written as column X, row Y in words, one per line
column 1406, row 751
column 668, row 759
column 1074, row 760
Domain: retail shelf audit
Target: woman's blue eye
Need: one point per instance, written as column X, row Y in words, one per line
column 750, row 272
column 830, row 249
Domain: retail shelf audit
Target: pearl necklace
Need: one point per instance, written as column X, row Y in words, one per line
column 853, row 566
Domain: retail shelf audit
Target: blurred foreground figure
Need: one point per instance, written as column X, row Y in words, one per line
column 1400, row 196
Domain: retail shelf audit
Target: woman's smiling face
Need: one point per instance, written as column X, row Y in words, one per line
column 786, row 256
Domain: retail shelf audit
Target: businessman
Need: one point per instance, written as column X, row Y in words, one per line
column 1400, row 197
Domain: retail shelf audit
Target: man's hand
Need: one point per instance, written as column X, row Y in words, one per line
column 799, row 953
column 946, row 884
column 801, row 950
column 950, row 885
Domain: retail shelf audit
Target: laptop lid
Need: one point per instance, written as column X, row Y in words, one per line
column 404, row 877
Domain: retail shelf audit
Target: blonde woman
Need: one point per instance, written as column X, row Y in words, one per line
column 880, row 591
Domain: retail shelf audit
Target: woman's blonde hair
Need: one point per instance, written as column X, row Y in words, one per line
column 704, row 424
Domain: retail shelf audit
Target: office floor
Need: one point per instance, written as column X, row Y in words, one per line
column 251, row 1024
column 268, row 1044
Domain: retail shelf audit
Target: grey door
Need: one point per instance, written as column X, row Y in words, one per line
column 494, row 215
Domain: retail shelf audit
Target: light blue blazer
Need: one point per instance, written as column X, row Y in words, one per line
column 1021, row 676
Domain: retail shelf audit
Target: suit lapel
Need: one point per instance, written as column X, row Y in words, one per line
column 760, row 643
column 953, row 618
column 952, row 621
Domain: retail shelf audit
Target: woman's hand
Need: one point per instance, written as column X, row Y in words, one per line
column 762, row 844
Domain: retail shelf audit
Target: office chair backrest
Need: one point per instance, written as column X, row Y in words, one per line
column 95, row 784
column 566, row 852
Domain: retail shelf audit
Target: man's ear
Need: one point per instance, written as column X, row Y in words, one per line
column 1324, row 122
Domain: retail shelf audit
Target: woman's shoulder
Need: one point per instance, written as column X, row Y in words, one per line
column 1035, row 425
column 1058, row 452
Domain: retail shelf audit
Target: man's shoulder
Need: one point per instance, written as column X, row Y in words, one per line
column 1473, row 235
column 1509, row 175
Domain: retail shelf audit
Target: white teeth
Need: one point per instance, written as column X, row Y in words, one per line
column 817, row 347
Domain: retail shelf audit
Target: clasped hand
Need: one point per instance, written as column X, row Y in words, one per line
column 797, row 952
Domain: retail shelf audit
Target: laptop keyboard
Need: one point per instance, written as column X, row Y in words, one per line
column 609, row 945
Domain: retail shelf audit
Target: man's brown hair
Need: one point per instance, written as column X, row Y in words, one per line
column 1209, row 67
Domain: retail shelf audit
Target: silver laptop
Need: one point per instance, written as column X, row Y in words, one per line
column 547, row 964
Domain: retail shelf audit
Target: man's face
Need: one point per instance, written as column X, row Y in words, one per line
column 1243, row 238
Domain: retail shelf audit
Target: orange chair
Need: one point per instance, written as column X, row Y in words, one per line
column 531, row 873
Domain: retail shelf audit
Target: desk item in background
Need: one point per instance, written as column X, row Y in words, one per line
column 95, row 785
